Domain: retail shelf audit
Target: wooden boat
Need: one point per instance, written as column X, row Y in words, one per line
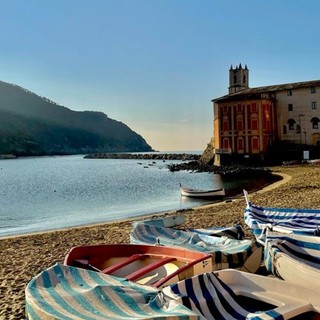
column 294, row 258
column 205, row 194
column 225, row 252
column 235, row 295
column 286, row 220
column 145, row 264
column 64, row 292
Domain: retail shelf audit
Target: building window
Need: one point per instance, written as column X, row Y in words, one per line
column 313, row 89
column 225, row 143
column 254, row 122
column 298, row 128
column 290, row 107
column 240, row 144
column 315, row 123
column 284, row 129
column 314, row 105
column 291, row 124
column 289, row 92
column 255, row 144
column 240, row 124
column 225, row 126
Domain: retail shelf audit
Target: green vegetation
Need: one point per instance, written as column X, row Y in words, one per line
column 32, row 125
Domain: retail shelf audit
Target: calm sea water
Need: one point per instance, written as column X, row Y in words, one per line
column 47, row 193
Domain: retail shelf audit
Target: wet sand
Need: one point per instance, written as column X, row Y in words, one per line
column 23, row 257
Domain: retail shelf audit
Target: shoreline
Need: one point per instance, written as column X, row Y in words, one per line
column 23, row 257
column 232, row 197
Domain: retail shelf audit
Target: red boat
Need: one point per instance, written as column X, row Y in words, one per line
column 153, row 265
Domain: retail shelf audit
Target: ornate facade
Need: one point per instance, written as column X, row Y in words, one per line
column 248, row 121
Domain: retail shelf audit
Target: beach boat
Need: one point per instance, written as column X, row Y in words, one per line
column 235, row 295
column 225, row 252
column 294, row 258
column 152, row 265
column 64, row 292
column 233, row 232
column 285, row 220
column 205, row 194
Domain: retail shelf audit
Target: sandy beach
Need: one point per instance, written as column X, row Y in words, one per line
column 23, row 257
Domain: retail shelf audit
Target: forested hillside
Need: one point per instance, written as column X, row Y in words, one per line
column 33, row 125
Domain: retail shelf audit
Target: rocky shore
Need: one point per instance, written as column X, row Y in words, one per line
column 145, row 156
column 21, row 258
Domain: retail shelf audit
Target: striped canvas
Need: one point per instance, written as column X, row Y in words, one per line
column 286, row 220
column 235, row 232
column 63, row 292
column 227, row 253
column 213, row 299
column 304, row 250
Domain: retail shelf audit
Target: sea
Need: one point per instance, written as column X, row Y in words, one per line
column 48, row 193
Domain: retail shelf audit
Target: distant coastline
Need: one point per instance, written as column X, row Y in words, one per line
column 145, row 156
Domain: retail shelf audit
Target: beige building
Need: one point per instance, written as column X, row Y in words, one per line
column 249, row 121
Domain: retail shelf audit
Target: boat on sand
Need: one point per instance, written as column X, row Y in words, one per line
column 235, row 295
column 64, row 292
column 285, row 220
column 152, row 265
column 204, row 194
column 226, row 253
column 294, row 258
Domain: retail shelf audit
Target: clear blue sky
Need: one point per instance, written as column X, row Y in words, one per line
column 155, row 64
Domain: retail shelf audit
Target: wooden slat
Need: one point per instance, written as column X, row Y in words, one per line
column 150, row 267
column 119, row 265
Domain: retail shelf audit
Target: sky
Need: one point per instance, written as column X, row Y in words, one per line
column 155, row 65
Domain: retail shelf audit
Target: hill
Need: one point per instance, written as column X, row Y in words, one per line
column 32, row 125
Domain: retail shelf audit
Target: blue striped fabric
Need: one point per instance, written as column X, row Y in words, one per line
column 288, row 220
column 63, row 292
column 224, row 250
column 213, row 299
column 303, row 249
column 235, row 232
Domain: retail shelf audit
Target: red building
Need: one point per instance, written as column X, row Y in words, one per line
column 245, row 123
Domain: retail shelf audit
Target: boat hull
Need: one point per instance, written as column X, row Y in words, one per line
column 145, row 264
column 294, row 258
column 225, row 252
column 231, row 294
column 207, row 194
column 286, row 220
column 64, row 292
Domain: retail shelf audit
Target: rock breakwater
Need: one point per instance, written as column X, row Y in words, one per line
column 231, row 171
column 145, row 156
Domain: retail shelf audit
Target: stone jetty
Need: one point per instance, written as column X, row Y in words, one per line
column 145, row 156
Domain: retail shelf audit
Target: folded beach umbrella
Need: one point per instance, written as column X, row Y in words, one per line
column 226, row 252
column 63, row 292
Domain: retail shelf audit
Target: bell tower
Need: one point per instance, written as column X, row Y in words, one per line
column 238, row 78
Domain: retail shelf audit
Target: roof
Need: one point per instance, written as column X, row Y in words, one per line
column 255, row 92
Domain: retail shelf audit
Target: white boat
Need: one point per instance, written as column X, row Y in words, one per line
column 205, row 194
column 294, row 258
column 235, row 295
